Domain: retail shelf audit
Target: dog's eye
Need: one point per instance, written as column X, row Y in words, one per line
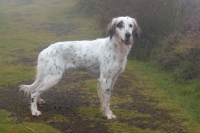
column 130, row 25
column 120, row 24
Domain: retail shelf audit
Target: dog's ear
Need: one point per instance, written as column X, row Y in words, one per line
column 137, row 30
column 111, row 28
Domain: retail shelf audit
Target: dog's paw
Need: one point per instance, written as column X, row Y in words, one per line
column 110, row 112
column 41, row 101
column 110, row 116
column 36, row 113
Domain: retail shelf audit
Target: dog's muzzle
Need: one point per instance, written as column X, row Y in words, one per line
column 127, row 40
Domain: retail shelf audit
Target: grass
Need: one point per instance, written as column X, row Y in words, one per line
column 25, row 28
column 181, row 99
column 163, row 82
column 58, row 118
column 114, row 126
column 7, row 126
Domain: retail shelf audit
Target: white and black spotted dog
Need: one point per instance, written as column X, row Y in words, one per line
column 104, row 57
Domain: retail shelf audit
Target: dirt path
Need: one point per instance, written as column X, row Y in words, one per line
column 59, row 102
column 65, row 102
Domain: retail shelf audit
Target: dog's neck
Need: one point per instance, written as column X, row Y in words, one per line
column 122, row 50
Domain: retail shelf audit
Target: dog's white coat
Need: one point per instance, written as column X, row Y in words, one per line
column 104, row 57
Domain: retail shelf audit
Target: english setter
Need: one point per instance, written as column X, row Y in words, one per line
column 105, row 57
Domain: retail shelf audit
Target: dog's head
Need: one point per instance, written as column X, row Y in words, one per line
column 125, row 29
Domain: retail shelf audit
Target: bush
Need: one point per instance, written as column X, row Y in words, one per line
column 181, row 55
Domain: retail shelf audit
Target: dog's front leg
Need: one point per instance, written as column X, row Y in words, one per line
column 104, row 94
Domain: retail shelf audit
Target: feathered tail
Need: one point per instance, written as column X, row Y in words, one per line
column 27, row 89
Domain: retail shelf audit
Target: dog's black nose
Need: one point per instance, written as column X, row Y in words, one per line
column 127, row 35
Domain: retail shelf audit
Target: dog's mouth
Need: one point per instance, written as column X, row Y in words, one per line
column 127, row 41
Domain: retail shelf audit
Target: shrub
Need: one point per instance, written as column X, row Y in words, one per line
column 181, row 55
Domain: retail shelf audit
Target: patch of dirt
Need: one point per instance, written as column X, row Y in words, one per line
column 25, row 61
column 160, row 119
column 59, row 100
column 40, row 48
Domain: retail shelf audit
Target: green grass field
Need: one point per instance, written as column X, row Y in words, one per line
column 144, row 95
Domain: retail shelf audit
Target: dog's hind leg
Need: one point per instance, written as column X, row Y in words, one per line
column 46, row 84
column 40, row 100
